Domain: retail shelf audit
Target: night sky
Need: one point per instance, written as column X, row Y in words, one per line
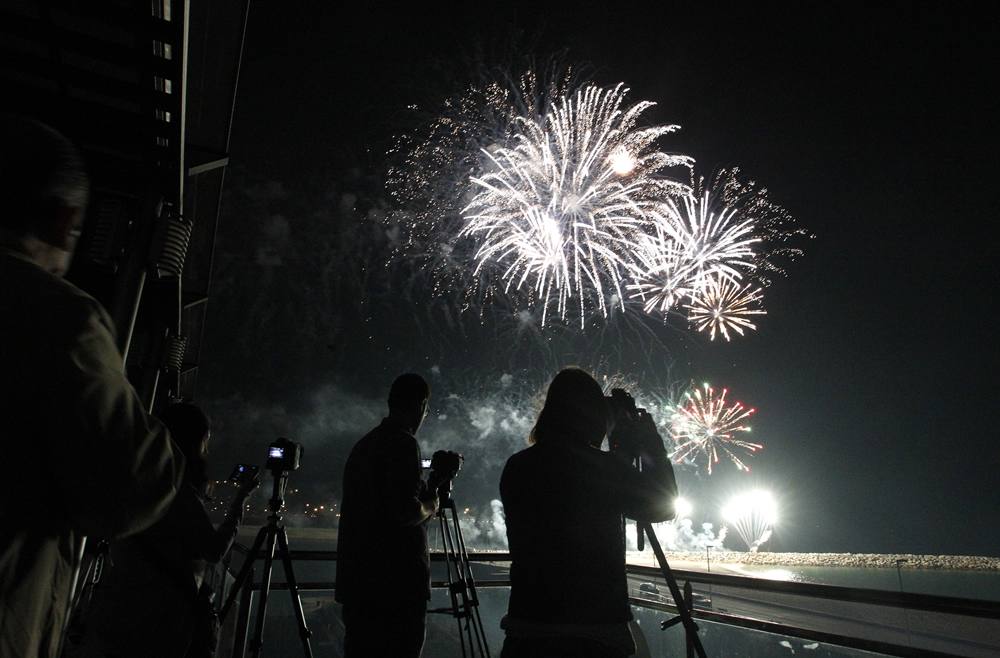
column 874, row 370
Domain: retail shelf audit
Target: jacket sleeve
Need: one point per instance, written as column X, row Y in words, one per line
column 649, row 495
column 114, row 467
column 404, row 489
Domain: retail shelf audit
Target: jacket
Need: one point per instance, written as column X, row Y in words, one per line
column 81, row 456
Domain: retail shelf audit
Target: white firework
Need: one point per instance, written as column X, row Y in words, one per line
column 545, row 195
column 692, row 247
column 724, row 305
column 559, row 209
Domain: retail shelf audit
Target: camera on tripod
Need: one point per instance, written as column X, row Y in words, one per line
column 283, row 456
column 445, row 465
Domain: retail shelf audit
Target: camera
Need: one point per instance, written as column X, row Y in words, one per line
column 445, row 465
column 243, row 472
column 283, row 455
column 622, row 406
column 627, row 419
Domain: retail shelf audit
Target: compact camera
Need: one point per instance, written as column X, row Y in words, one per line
column 243, row 472
column 284, row 455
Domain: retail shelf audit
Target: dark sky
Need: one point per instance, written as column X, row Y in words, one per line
column 874, row 370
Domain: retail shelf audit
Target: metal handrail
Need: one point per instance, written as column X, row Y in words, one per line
column 911, row 600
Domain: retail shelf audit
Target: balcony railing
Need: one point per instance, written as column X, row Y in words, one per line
column 737, row 615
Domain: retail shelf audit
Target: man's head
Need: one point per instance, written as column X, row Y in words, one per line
column 43, row 191
column 408, row 399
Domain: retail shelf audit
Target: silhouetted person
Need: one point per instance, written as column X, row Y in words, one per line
column 563, row 500
column 383, row 565
column 153, row 600
column 81, row 457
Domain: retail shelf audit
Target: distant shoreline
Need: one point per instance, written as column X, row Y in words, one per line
column 326, row 539
column 859, row 560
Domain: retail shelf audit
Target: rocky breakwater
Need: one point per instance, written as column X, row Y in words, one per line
column 861, row 560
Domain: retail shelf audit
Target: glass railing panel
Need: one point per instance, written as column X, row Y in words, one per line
column 323, row 617
column 730, row 641
column 924, row 629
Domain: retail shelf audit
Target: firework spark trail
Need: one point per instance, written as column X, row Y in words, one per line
column 723, row 306
column 704, row 426
column 565, row 204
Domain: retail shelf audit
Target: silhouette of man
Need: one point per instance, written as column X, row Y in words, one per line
column 383, row 565
column 564, row 499
column 82, row 457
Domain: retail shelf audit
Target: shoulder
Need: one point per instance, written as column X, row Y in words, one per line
column 385, row 440
column 49, row 304
column 522, row 460
column 524, row 455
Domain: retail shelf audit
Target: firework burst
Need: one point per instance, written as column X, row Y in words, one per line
column 547, row 196
column 724, row 306
column 693, row 245
column 557, row 212
column 704, row 425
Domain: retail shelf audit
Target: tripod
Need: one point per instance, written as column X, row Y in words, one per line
column 270, row 534
column 683, row 612
column 461, row 584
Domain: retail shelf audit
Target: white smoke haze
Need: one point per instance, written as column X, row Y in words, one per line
column 679, row 535
column 486, row 529
column 485, row 423
column 332, row 414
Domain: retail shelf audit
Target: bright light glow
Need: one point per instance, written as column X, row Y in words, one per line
column 704, row 426
column 621, row 162
column 682, row 508
column 753, row 515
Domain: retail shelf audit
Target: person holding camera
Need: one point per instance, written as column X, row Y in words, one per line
column 82, row 457
column 156, row 597
column 383, row 563
column 564, row 499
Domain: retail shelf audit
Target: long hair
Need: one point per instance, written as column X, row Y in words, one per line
column 574, row 410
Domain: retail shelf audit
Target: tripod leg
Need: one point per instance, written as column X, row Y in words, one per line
column 472, row 600
column 242, row 619
column 682, row 610
column 245, row 571
column 461, row 582
column 265, row 590
column 293, row 589
column 448, row 544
